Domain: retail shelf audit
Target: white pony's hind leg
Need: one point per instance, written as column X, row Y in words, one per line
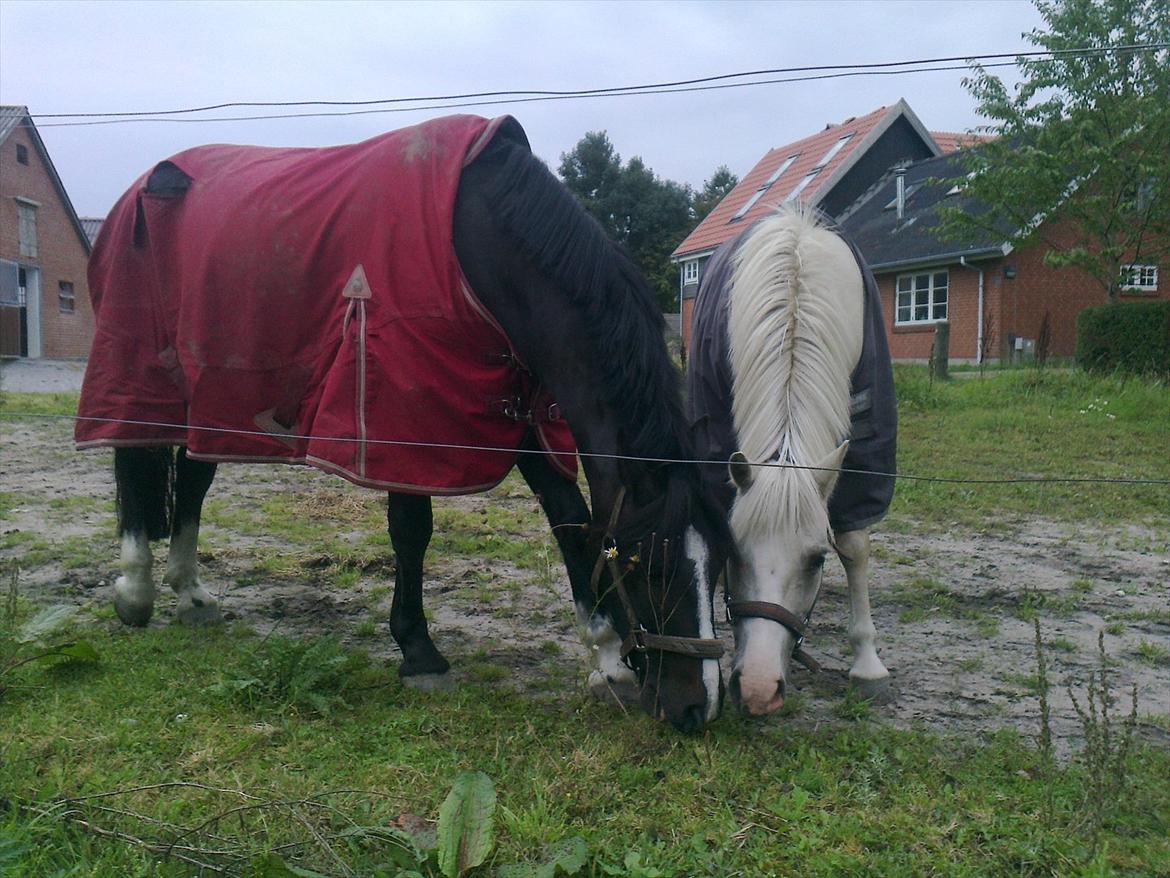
column 610, row 679
column 134, row 589
column 196, row 604
column 868, row 676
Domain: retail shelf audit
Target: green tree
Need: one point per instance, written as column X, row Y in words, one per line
column 1082, row 140
column 644, row 213
column 591, row 171
column 714, row 190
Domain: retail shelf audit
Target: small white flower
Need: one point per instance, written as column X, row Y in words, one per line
column 180, row 717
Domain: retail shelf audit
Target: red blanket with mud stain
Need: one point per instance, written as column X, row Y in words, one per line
column 307, row 306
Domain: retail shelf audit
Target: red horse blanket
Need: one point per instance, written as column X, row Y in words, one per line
column 307, row 306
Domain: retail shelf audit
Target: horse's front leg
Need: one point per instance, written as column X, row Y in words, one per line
column 410, row 523
column 196, row 605
column 868, row 676
column 568, row 516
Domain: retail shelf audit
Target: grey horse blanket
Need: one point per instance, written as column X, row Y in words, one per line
column 863, row 492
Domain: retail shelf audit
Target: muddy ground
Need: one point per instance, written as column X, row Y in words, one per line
column 953, row 609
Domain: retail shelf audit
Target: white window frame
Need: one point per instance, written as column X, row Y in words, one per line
column 1140, row 278
column 917, row 290
column 691, row 271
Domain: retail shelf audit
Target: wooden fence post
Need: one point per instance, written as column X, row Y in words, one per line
column 941, row 352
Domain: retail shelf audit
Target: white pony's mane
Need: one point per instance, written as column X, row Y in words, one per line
column 794, row 327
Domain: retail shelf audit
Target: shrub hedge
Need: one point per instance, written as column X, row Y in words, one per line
column 1132, row 337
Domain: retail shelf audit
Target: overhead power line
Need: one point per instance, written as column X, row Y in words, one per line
column 741, row 79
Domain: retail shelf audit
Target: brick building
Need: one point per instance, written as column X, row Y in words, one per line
column 44, row 300
column 999, row 301
column 829, row 170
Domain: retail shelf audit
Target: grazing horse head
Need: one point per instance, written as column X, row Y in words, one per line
column 584, row 321
column 782, row 527
column 794, row 328
column 657, row 564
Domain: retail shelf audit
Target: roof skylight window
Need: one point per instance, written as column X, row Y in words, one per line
column 801, row 186
column 834, row 149
column 749, row 204
column 779, row 172
column 765, row 186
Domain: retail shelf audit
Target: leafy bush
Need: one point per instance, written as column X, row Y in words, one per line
column 1132, row 337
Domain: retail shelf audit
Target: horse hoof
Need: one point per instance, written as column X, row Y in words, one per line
column 428, row 682
column 879, row 691
column 617, row 693
column 201, row 612
column 136, row 615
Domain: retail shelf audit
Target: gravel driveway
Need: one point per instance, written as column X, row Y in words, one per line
column 41, row 376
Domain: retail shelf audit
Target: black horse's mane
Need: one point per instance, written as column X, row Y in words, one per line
column 627, row 330
column 569, row 247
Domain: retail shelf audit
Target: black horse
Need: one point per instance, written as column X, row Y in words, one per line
column 580, row 319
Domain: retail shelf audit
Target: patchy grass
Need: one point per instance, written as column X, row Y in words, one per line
column 1154, row 654
column 744, row 798
column 1031, row 424
column 15, row 404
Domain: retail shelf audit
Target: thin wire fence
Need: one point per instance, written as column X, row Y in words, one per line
column 448, row 446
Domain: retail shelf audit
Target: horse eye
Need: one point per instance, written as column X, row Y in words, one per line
column 816, row 562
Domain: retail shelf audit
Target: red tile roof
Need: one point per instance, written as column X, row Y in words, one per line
column 950, row 142
column 717, row 226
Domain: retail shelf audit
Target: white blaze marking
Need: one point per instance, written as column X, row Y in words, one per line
column 698, row 553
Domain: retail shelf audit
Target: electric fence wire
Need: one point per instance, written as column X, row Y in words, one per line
column 1012, row 480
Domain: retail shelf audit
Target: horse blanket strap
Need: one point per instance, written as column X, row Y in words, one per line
column 307, row 306
column 639, row 639
column 776, row 613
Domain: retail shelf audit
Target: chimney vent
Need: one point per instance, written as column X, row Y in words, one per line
column 900, row 188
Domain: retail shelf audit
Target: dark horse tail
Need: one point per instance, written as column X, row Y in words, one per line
column 146, row 490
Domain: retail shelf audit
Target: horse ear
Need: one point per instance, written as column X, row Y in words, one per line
column 827, row 471
column 741, row 470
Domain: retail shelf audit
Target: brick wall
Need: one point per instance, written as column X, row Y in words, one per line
column 1014, row 306
column 61, row 255
column 914, row 342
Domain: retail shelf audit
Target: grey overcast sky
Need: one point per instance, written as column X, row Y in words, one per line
column 77, row 57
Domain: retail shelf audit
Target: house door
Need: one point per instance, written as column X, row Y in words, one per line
column 19, row 311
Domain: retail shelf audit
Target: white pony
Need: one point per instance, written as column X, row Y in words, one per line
column 795, row 331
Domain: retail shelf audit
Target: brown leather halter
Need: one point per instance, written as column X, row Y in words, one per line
column 776, row 613
column 639, row 639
